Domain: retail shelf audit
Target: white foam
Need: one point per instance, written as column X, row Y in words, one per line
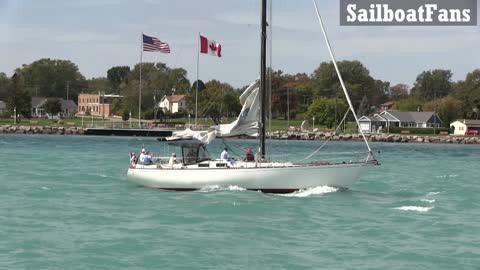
column 219, row 188
column 311, row 191
column 45, row 188
column 432, row 193
column 235, row 188
column 414, row 208
column 209, row 188
column 427, row 200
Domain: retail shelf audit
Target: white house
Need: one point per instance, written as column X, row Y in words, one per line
column 69, row 108
column 173, row 104
column 381, row 121
column 465, row 127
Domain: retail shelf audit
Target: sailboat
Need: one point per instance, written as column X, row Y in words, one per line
column 196, row 169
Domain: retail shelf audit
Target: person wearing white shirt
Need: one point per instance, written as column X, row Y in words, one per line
column 224, row 155
column 172, row 160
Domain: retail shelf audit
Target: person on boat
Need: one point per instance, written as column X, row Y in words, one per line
column 224, row 155
column 141, row 158
column 249, row 155
column 172, row 160
column 147, row 158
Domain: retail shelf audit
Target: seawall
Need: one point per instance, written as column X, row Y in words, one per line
column 277, row 135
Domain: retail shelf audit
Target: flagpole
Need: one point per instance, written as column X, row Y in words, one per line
column 196, row 90
column 140, row 90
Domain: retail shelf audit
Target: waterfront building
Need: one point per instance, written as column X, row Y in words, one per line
column 465, row 127
column 379, row 122
column 173, row 104
column 69, row 108
column 96, row 104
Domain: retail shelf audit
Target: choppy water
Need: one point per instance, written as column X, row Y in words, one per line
column 65, row 204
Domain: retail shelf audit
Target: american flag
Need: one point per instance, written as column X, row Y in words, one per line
column 153, row 44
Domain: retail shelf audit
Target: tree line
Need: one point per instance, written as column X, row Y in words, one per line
column 300, row 95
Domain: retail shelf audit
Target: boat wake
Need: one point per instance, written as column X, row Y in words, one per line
column 216, row 188
column 427, row 204
column 321, row 190
column 414, row 208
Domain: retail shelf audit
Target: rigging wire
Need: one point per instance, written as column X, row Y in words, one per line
column 269, row 76
column 370, row 153
column 324, row 143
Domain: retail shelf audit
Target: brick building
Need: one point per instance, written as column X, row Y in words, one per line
column 96, row 104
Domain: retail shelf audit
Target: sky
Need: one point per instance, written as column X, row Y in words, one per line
column 99, row 34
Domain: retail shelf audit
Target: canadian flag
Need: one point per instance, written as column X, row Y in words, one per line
column 210, row 47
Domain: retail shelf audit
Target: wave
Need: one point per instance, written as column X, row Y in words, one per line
column 98, row 174
column 427, row 200
column 311, row 191
column 414, row 208
column 433, row 193
column 447, row 176
column 45, row 188
column 219, row 188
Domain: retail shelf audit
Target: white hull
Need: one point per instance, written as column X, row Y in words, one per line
column 269, row 179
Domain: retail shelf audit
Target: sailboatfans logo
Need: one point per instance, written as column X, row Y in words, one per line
column 153, row 44
column 210, row 47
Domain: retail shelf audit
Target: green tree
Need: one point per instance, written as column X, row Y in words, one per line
column 201, row 86
column 100, row 84
column 52, row 78
column 117, row 75
column 398, row 92
column 157, row 80
column 363, row 108
column 323, row 109
column 4, row 86
column 468, row 93
column 53, row 106
column 359, row 83
column 432, row 84
column 218, row 100
column 287, row 92
column 379, row 93
column 447, row 109
column 409, row 105
column 18, row 98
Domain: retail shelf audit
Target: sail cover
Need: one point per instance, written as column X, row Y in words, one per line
column 245, row 124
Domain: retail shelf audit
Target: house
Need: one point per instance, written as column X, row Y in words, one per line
column 69, row 108
column 465, row 127
column 385, row 119
column 96, row 104
column 173, row 104
column 3, row 107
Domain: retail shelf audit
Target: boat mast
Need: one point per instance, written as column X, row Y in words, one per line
column 263, row 85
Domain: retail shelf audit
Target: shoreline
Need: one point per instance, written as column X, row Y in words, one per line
column 276, row 135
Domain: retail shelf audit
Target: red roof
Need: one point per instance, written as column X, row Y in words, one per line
column 175, row 98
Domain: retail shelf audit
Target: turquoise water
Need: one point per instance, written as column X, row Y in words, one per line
column 65, row 204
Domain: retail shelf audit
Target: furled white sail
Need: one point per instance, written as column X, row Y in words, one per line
column 245, row 124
